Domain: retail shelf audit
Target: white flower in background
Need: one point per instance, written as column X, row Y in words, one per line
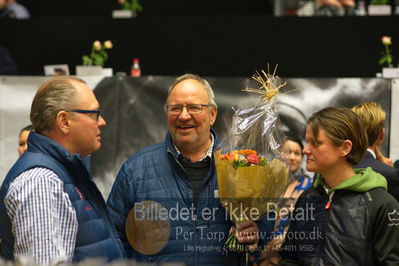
column 97, row 45
column 98, row 54
column 108, row 44
column 386, row 40
column 387, row 57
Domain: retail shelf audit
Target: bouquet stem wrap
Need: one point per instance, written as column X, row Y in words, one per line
column 251, row 171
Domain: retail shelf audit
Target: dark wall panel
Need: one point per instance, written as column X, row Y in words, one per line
column 208, row 45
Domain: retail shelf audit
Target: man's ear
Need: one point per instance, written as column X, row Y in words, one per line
column 214, row 112
column 346, row 147
column 62, row 121
column 381, row 136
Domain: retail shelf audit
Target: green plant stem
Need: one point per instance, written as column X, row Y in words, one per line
column 388, row 56
column 232, row 244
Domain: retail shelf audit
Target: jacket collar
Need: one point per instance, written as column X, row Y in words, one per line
column 370, row 153
column 39, row 143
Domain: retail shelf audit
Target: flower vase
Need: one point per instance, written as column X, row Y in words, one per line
column 390, row 72
column 123, row 13
column 93, row 71
column 379, row 10
column 107, row 72
column 88, row 70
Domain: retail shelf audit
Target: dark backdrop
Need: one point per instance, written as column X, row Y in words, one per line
column 208, row 37
column 229, row 45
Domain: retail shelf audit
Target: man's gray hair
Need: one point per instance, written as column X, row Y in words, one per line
column 55, row 95
column 204, row 83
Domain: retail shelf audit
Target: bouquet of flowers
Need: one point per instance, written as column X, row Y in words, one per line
column 251, row 171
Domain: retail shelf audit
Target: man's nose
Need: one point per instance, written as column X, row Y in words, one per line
column 101, row 121
column 184, row 113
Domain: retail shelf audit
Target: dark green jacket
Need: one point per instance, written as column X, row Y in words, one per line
column 355, row 223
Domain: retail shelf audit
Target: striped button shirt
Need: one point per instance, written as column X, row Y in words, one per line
column 43, row 220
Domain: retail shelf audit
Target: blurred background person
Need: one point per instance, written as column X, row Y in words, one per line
column 327, row 8
column 300, row 181
column 373, row 118
column 23, row 139
column 293, row 154
column 7, row 63
column 5, row 12
column 20, row 11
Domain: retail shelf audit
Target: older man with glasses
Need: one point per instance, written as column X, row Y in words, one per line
column 50, row 209
column 164, row 202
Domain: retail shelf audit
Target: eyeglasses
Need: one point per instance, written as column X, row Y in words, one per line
column 97, row 112
column 192, row 108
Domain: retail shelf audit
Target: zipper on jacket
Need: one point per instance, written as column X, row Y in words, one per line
column 327, row 207
column 328, row 204
column 197, row 232
column 196, row 242
column 195, row 222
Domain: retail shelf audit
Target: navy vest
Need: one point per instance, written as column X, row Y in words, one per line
column 96, row 237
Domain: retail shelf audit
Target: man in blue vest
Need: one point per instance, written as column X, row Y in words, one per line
column 50, row 209
column 164, row 202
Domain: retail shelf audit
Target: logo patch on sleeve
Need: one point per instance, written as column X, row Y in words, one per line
column 393, row 218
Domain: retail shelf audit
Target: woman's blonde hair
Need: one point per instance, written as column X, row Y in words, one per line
column 373, row 117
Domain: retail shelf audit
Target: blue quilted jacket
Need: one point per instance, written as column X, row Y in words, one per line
column 155, row 173
column 96, row 236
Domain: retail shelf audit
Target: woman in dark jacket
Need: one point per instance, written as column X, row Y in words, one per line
column 346, row 217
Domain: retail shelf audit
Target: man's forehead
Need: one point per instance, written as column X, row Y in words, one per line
column 187, row 88
column 84, row 95
column 190, row 83
column 193, row 86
